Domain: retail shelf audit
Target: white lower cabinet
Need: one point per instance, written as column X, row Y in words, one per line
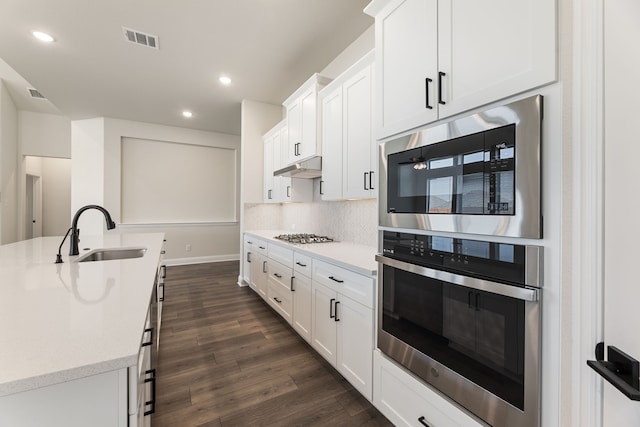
column 301, row 290
column 405, row 401
column 256, row 260
column 342, row 322
column 279, row 289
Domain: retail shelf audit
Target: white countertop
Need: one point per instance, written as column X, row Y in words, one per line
column 60, row 322
column 352, row 256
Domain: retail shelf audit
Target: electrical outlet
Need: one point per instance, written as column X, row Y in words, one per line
column 188, row 247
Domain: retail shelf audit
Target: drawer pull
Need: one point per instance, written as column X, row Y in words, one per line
column 151, row 402
column 336, row 311
column 336, row 280
column 291, row 287
column 150, row 330
column 264, row 266
column 277, row 300
column 248, row 256
column 331, row 313
column 422, row 421
column 300, row 264
column 277, row 275
column 262, row 247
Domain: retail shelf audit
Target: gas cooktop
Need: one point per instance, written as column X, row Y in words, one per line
column 303, row 238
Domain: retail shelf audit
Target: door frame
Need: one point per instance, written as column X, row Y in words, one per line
column 584, row 250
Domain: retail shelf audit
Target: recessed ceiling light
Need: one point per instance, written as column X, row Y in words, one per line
column 187, row 114
column 43, row 36
column 225, row 80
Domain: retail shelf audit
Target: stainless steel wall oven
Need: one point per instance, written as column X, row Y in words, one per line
column 464, row 315
column 478, row 174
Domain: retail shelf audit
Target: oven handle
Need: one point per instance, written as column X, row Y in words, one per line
column 525, row 294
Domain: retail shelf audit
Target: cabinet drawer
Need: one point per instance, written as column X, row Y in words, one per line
column 405, row 401
column 356, row 286
column 279, row 274
column 281, row 254
column 302, row 264
column 280, row 299
column 253, row 244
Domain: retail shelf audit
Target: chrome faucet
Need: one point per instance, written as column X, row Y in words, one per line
column 75, row 233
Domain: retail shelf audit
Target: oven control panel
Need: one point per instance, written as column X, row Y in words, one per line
column 491, row 260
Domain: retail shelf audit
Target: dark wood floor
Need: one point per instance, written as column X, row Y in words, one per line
column 227, row 359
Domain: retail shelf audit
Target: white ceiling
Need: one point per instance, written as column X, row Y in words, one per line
column 268, row 48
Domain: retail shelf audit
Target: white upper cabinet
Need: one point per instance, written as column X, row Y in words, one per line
column 349, row 150
column 302, row 118
column 331, row 182
column 437, row 58
column 279, row 189
column 406, row 40
column 359, row 145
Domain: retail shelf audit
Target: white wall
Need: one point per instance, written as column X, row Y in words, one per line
column 96, row 176
column 44, row 135
column 56, row 196
column 9, row 221
column 256, row 119
column 356, row 50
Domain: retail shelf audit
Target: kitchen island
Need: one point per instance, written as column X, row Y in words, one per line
column 73, row 323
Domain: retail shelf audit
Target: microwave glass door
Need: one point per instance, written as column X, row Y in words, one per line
column 473, row 174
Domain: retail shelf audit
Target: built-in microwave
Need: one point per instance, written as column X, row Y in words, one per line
column 479, row 174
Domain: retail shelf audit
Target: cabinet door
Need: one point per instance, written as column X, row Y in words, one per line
column 309, row 146
column 301, row 289
column 294, row 130
column 268, row 194
column 323, row 328
column 246, row 260
column 331, row 184
column 406, row 33
column 259, row 274
column 358, row 140
column 355, row 344
column 493, row 49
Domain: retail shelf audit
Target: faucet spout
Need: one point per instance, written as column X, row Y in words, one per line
column 75, row 233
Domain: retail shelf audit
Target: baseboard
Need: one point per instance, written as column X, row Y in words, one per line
column 201, row 259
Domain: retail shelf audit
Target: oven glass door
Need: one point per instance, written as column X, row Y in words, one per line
column 471, row 175
column 478, row 334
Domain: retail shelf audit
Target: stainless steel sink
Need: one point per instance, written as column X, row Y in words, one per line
column 112, row 254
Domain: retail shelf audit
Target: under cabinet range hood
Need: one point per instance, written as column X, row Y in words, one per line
column 310, row 168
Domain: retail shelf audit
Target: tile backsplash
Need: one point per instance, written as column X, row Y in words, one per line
column 354, row 221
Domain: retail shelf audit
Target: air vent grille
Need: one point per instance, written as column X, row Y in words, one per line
column 140, row 38
column 35, row 93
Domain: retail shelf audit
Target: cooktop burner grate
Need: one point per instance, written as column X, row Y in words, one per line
column 304, row 238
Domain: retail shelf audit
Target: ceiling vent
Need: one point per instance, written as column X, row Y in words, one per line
column 140, row 38
column 35, row 93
